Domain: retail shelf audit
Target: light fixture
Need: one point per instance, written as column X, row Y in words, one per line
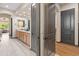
column 24, row 15
column 33, row 4
column 20, row 14
column 29, row 8
column 24, row 12
column 6, row 6
column 16, row 12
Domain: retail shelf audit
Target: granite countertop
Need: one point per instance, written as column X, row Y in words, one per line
column 24, row 31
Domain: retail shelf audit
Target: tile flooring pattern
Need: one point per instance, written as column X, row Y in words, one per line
column 13, row 47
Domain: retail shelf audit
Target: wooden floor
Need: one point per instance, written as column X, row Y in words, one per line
column 66, row 50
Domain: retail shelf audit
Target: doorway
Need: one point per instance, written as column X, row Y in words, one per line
column 4, row 25
column 68, row 26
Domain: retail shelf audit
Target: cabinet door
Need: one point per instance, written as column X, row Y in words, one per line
column 21, row 36
column 17, row 34
column 28, row 39
column 25, row 37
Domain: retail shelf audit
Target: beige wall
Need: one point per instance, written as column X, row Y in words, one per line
column 58, row 21
column 42, row 15
column 76, row 24
column 58, row 26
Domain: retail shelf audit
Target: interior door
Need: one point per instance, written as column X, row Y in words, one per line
column 35, row 28
column 67, row 26
column 49, row 34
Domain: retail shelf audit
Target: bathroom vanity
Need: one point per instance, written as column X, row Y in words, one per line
column 24, row 36
column 23, row 31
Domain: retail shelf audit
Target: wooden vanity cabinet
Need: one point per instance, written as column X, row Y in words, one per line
column 17, row 34
column 28, row 39
column 23, row 36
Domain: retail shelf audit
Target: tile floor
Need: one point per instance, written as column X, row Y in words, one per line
column 13, row 47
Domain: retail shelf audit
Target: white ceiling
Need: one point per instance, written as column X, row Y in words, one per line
column 10, row 6
column 19, row 9
column 24, row 11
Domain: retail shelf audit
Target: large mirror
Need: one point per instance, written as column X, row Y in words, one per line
column 21, row 24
